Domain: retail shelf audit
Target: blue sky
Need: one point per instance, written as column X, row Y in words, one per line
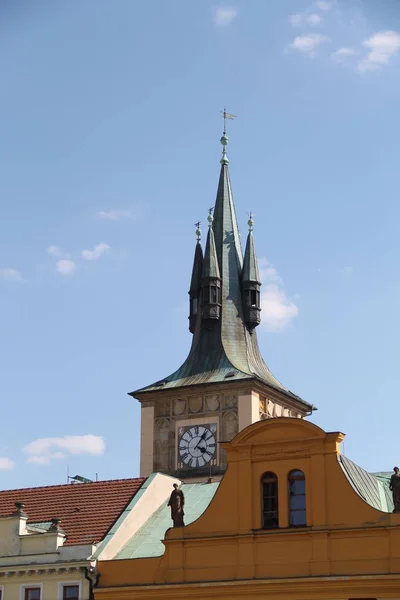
column 109, row 152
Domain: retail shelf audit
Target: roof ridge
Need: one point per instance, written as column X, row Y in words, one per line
column 64, row 485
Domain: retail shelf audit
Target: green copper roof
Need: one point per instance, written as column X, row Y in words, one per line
column 250, row 265
column 372, row 488
column 147, row 541
column 210, row 264
column 195, row 282
column 226, row 350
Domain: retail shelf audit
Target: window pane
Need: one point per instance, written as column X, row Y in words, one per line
column 298, row 518
column 297, row 473
column 270, row 500
column 32, row 593
column 298, row 487
column 71, row 592
column 297, row 499
column 270, row 520
column 298, row 503
column 270, row 504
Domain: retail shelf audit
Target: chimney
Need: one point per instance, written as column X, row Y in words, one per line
column 55, row 526
column 19, row 510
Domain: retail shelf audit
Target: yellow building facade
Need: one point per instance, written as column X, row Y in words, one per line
column 291, row 519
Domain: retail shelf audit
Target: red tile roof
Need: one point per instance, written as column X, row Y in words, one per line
column 87, row 510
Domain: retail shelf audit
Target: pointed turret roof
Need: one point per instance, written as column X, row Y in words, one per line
column 197, row 271
column 227, row 351
column 250, row 264
column 210, row 264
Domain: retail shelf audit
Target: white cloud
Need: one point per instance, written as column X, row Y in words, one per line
column 299, row 19
column 55, row 251
column 308, row 44
column 224, row 15
column 6, row 464
column 382, row 46
column 43, row 450
column 96, row 252
column 277, row 310
column 116, row 215
column 324, row 5
column 342, row 54
column 65, row 266
column 10, row 274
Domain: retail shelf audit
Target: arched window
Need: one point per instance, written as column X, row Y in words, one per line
column 269, row 490
column 297, row 499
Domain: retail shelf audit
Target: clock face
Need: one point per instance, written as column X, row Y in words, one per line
column 197, row 446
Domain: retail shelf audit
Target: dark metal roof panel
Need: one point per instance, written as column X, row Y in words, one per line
column 195, row 282
column 210, row 264
column 250, row 265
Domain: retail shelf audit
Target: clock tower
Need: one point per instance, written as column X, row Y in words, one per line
column 224, row 384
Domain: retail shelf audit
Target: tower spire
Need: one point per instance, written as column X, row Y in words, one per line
column 225, row 343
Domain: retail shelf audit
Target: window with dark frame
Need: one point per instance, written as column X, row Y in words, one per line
column 269, row 490
column 297, row 499
column 32, row 593
column 70, row 592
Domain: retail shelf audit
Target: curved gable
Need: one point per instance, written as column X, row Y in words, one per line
column 280, row 429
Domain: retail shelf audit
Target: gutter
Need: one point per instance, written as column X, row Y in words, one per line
column 93, row 578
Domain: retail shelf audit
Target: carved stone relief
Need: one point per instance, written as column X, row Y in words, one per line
column 179, row 406
column 163, row 408
column 263, row 402
column 270, row 408
column 229, row 426
column 212, row 402
column 229, row 401
column 195, row 404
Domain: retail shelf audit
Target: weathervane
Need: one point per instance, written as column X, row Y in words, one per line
column 226, row 116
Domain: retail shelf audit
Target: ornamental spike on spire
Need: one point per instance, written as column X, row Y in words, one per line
column 198, row 230
column 224, row 139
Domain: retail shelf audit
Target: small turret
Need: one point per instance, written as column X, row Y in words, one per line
column 251, row 283
column 211, row 280
column 195, row 283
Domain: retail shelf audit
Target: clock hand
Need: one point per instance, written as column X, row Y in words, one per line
column 201, row 440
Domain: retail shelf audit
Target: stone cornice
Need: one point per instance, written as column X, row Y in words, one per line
column 30, row 570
